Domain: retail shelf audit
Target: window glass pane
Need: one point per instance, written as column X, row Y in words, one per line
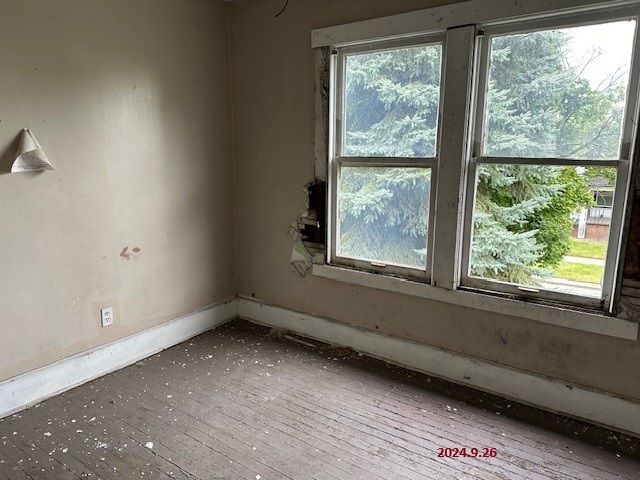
column 383, row 214
column 558, row 93
column 540, row 226
column 391, row 102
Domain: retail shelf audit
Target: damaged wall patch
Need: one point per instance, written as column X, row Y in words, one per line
column 308, row 231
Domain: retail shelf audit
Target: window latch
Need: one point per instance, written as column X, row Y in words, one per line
column 529, row 289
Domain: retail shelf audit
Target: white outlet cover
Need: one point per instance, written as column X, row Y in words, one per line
column 106, row 315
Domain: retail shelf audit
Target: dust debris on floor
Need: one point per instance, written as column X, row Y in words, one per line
column 244, row 401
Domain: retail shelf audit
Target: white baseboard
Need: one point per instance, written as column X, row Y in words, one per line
column 547, row 393
column 32, row 387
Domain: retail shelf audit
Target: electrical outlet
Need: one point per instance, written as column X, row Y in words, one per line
column 106, row 314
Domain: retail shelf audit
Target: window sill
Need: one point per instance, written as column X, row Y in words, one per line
column 555, row 315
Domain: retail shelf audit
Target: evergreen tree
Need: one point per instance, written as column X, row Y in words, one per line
column 538, row 106
column 392, row 100
column 385, row 212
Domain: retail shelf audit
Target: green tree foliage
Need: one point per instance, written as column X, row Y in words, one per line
column 538, row 106
column 553, row 223
column 385, row 213
column 392, row 100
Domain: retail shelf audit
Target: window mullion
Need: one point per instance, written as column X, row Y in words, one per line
column 456, row 106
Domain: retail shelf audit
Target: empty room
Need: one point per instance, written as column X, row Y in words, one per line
column 319, row 239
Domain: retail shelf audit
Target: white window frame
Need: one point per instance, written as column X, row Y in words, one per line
column 458, row 23
column 337, row 158
column 622, row 164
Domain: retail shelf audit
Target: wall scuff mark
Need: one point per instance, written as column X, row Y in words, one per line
column 128, row 255
column 308, row 231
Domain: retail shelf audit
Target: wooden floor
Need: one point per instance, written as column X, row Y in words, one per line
column 243, row 403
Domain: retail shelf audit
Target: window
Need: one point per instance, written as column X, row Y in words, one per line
column 387, row 113
column 550, row 127
column 544, row 115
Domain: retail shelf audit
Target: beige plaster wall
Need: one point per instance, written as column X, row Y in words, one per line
column 130, row 100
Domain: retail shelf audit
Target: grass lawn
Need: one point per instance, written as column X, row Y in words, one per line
column 587, row 249
column 579, row 272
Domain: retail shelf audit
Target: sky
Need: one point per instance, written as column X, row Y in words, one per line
column 614, row 40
